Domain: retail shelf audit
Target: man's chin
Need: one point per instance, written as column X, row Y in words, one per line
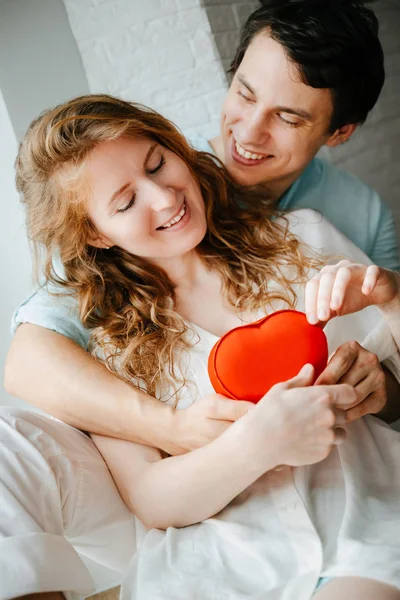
column 249, row 175
column 243, row 177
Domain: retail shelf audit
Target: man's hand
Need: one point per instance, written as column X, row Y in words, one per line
column 205, row 420
column 358, row 367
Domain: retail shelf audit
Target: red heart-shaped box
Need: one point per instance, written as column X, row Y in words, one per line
column 248, row 360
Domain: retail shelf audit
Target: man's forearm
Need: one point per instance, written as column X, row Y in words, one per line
column 391, row 412
column 53, row 373
column 391, row 314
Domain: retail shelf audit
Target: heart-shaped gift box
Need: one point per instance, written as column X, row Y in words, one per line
column 248, row 360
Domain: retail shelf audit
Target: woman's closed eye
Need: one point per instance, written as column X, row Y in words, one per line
column 128, row 206
column 152, row 171
column 158, row 167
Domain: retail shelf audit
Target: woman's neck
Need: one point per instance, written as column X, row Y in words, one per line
column 185, row 271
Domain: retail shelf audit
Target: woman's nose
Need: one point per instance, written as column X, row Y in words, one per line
column 162, row 198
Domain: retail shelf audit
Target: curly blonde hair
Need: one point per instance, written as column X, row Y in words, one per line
column 127, row 302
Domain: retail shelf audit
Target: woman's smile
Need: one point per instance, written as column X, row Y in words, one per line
column 178, row 221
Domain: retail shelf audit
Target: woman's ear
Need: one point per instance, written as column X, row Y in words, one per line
column 99, row 241
column 341, row 135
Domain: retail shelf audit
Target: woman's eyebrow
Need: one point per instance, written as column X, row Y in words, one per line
column 150, row 152
column 117, row 193
column 126, row 185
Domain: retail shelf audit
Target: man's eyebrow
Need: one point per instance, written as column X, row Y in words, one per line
column 295, row 111
column 246, row 84
column 126, row 185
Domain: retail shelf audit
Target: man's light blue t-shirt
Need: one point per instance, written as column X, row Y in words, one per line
column 350, row 205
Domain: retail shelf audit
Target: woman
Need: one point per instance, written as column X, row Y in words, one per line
column 149, row 233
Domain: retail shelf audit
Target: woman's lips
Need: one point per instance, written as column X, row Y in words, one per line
column 180, row 224
column 175, row 219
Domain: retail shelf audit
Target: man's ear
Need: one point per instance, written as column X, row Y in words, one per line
column 341, row 135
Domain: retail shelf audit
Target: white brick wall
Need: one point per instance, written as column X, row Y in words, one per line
column 158, row 52
column 226, row 19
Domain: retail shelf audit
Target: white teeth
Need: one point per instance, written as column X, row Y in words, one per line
column 177, row 218
column 247, row 154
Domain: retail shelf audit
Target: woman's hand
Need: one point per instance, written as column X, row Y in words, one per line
column 298, row 422
column 356, row 366
column 205, row 420
column 343, row 289
column 348, row 287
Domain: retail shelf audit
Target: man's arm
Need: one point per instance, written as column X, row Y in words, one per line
column 391, row 411
column 55, row 374
column 391, row 314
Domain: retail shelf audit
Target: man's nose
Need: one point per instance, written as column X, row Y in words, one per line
column 255, row 131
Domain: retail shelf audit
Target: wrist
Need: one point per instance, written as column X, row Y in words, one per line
column 175, row 431
column 165, row 429
column 256, row 444
column 391, row 307
column 148, row 421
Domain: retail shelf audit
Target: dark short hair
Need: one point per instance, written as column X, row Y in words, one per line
column 334, row 44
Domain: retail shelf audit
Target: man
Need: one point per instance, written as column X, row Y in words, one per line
column 306, row 73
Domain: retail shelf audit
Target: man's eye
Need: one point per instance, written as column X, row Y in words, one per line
column 246, row 98
column 290, row 123
column 158, row 167
column 128, row 206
